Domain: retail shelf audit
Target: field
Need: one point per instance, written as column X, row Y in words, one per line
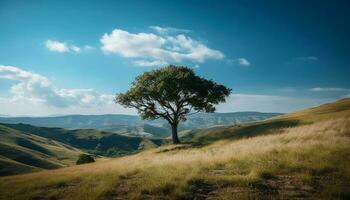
column 299, row 155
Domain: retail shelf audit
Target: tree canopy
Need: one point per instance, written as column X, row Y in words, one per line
column 172, row 93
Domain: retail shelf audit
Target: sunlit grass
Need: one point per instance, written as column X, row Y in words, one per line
column 169, row 171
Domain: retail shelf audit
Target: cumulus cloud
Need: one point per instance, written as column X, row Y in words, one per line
column 150, row 48
column 243, row 62
column 34, row 88
column 64, row 47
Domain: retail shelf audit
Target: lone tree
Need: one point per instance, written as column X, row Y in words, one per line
column 172, row 93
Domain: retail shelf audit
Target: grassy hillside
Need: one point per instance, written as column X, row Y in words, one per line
column 23, row 152
column 337, row 110
column 89, row 140
column 295, row 156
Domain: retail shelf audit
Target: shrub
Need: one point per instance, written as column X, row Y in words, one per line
column 85, row 158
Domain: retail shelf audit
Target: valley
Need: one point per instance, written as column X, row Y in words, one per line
column 26, row 148
column 298, row 155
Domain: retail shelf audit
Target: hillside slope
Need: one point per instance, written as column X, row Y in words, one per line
column 23, row 152
column 89, row 140
column 337, row 110
column 303, row 155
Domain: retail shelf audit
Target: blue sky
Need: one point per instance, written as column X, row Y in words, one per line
column 65, row 57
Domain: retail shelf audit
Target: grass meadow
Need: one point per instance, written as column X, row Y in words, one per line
column 310, row 160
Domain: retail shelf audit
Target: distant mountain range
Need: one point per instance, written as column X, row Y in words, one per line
column 134, row 126
column 75, row 121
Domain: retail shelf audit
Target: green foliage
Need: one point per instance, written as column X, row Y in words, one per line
column 85, row 158
column 171, row 93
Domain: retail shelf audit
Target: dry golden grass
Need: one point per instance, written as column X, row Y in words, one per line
column 169, row 171
column 338, row 109
column 310, row 160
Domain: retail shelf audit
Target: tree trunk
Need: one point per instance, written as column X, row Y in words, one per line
column 174, row 134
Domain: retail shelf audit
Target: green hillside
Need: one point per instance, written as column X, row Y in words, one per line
column 89, row 140
column 303, row 155
column 23, row 152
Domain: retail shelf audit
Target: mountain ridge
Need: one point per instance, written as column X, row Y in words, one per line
column 119, row 122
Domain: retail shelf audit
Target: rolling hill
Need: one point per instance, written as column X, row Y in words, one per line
column 133, row 125
column 302, row 155
column 89, row 140
column 23, row 152
column 25, row 148
column 339, row 109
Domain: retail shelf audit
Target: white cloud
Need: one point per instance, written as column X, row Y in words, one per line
column 56, row 46
column 31, row 90
column 34, row 94
column 75, row 48
column 64, row 47
column 165, row 30
column 157, row 48
column 329, row 89
column 243, row 62
column 269, row 103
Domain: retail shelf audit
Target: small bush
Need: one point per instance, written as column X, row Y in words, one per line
column 85, row 158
